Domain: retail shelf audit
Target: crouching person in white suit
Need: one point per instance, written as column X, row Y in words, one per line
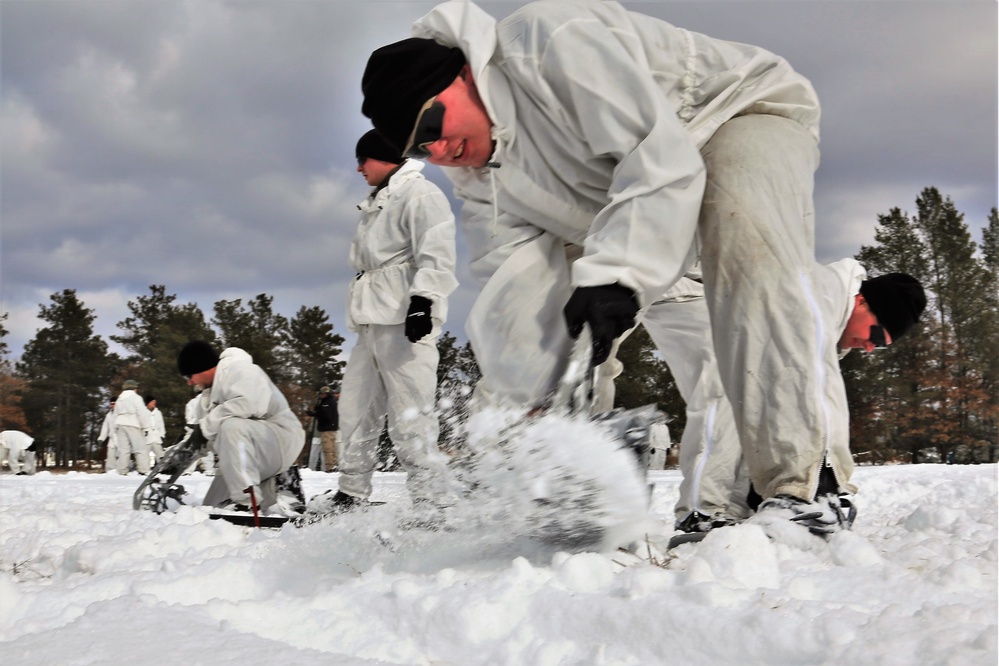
column 18, row 449
column 247, row 422
column 404, row 255
column 857, row 313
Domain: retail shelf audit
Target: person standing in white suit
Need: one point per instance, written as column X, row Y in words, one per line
column 107, row 435
column 404, row 255
column 157, row 433
column 132, row 425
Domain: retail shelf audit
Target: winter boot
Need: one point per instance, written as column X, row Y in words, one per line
column 332, row 503
column 698, row 522
column 823, row 516
column 289, row 499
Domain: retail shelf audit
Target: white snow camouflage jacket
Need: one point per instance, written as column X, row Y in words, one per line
column 107, row 428
column 158, row 430
column 838, row 283
column 15, row 440
column 241, row 389
column 598, row 116
column 130, row 410
column 403, row 247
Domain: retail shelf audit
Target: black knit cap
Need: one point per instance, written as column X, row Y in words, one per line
column 374, row 145
column 400, row 78
column 196, row 356
column 896, row 299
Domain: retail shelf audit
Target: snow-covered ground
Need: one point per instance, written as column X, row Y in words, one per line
column 84, row 579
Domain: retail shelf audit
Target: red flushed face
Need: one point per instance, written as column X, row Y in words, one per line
column 466, row 139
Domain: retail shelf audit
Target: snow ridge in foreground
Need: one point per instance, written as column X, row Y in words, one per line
column 915, row 583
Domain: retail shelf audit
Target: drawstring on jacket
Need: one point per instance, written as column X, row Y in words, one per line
column 492, row 166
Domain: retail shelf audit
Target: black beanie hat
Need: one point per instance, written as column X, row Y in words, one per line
column 896, row 299
column 196, row 356
column 400, row 78
column 374, row 145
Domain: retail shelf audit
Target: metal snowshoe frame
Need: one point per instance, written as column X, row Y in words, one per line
column 574, row 396
column 160, row 485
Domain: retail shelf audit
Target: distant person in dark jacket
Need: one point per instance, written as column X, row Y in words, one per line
column 327, row 423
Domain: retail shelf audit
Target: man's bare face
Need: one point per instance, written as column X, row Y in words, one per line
column 857, row 333
column 375, row 171
column 465, row 138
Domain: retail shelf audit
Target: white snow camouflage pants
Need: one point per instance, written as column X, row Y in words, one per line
column 776, row 360
column 131, row 442
column 389, row 376
column 251, row 451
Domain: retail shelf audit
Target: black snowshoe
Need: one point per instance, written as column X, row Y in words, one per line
column 159, row 491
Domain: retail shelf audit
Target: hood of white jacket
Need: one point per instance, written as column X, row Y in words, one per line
column 409, row 170
column 467, row 26
column 233, row 354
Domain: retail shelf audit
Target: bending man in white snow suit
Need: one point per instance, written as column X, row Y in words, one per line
column 404, row 255
column 715, row 490
column 18, row 449
column 246, row 420
column 131, row 427
column 650, row 146
column 107, row 434
column 157, row 433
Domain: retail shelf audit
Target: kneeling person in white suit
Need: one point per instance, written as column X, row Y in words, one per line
column 246, row 420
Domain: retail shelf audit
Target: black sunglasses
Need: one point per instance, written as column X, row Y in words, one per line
column 877, row 337
column 428, row 128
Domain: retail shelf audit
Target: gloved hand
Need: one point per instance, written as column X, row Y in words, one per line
column 609, row 309
column 418, row 322
column 196, row 440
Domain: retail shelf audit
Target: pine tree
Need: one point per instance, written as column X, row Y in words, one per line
column 309, row 352
column 65, row 366
column 961, row 283
column 457, row 374
column 990, row 252
column 257, row 330
column 646, row 379
column 155, row 332
column 936, row 387
column 990, row 345
column 11, row 388
column 312, row 350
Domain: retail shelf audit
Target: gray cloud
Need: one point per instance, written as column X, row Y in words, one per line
column 208, row 145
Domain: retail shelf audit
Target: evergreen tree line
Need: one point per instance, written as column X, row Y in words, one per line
column 936, row 389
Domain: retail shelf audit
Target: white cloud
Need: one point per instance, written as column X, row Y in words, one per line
column 208, row 145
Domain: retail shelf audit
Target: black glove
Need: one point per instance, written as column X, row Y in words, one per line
column 418, row 323
column 196, row 440
column 609, row 309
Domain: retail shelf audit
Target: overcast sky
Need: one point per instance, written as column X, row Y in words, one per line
column 209, row 146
